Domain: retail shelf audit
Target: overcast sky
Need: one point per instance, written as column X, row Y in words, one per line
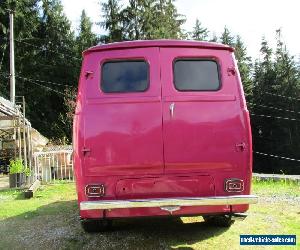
column 250, row 19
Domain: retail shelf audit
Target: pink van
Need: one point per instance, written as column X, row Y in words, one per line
column 161, row 128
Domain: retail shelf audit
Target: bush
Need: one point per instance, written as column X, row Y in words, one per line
column 17, row 167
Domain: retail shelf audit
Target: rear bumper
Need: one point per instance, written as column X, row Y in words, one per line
column 170, row 202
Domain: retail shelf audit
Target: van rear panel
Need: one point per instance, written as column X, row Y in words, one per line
column 161, row 121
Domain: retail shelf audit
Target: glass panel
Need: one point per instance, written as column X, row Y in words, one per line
column 196, row 75
column 124, row 76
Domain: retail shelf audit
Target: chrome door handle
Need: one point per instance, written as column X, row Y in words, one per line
column 172, row 106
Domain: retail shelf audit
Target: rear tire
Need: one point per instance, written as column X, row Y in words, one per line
column 219, row 220
column 96, row 225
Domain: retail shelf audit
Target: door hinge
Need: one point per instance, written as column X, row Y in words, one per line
column 85, row 151
column 88, row 73
column 240, row 147
column 231, row 71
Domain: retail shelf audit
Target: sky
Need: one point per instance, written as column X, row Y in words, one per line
column 250, row 19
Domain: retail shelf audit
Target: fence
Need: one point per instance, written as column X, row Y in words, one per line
column 53, row 165
column 58, row 165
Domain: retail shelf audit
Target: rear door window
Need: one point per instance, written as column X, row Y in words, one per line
column 196, row 75
column 125, row 76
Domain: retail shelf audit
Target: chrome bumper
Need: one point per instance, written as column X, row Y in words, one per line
column 165, row 202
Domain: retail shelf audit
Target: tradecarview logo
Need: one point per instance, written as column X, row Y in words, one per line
column 249, row 239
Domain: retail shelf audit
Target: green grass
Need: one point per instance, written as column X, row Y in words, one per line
column 272, row 188
column 50, row 221
column 12, row 202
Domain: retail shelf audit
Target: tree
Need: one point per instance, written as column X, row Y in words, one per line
column 132, row 20
column 275, row 95
column 227, row 38
column 287, row 83
column 148, row 18
column 54, row 62
column 266, row 52
column 86, row 38
column 263, row 77
column 244, row 65
column 112, row 21
column 141, row 19
column 168, row 21
column 45, row 60
column 25, row 25
column 199, row 33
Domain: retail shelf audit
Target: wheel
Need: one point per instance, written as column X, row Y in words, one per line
column 219, row 220
column 95, row 225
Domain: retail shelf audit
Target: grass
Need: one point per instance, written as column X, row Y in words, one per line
column 50, row 221
column 12, row 202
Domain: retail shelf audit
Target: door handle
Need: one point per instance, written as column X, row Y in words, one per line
column 85, row 151
column 172, row 106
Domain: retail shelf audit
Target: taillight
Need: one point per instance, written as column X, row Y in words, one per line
column 95, row 190
column 234, row 185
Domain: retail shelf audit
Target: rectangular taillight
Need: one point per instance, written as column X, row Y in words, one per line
column 95, row 190
column 234, row 185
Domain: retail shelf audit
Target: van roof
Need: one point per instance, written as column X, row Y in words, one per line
column 158, row 43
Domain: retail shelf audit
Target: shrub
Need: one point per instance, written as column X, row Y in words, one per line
column 17, row 167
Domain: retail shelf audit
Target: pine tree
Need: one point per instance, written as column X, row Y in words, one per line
column 287, row 83
column 86, row 38
column 227, row 38
column 261, row 127
column 275, row 76
column 148, row 19
column 58, row 52
column 199, row 33
column 26, row 24
column 266, row 52
column 132, row 20
column 286, row 70
column 112, row 21
column 173, row 21
column 45, row 51
column 244, row 65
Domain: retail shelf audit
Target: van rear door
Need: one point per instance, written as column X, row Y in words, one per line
column 203, row 123
column 123, row 113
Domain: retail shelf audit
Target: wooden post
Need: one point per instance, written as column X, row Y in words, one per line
column 38, row 166
column 57, row 164
column 60, row 160
column 19, row 138
column 53, row 164
column 65, row 165
column 35, row 167
column 45, row 168
column 12, row 57
column 42, row 169
column 72, row 165
column 49, row 167
column 15, row 139
column 69, row 169
column 29, row 152
column 24, row 133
